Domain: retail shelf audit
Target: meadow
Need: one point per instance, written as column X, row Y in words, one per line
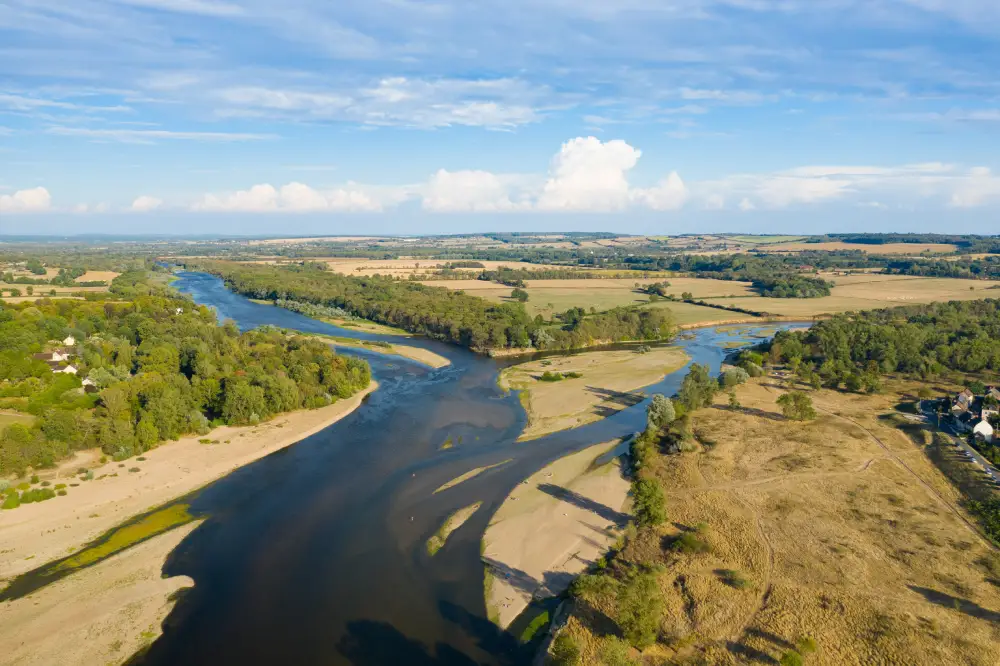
column 838, row 533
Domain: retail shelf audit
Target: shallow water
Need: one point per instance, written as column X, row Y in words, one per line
column 316, row 553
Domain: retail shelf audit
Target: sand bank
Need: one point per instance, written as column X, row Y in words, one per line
column 34, row 534
column 607, row 384
column 100, row 615
column 551, row 528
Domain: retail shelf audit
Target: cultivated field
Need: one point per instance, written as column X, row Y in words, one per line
column 868, row 294
column 839, row 529
column 887, row 248
column 95, row 276
column 608, row 384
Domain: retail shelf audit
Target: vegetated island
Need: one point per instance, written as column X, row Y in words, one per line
column 569, row 391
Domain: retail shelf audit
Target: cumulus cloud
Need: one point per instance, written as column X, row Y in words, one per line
column 670, row 194
column 293, row 197
column 35, row 200
column 589, row 175
column 457, row 191
column 145, row 204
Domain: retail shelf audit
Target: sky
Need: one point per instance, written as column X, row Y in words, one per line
column 443, row 116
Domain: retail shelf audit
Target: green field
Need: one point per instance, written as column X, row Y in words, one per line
column 765, row 240
column 10, row 418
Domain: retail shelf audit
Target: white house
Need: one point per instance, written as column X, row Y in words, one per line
column 69, row 341
column 983, row 429
column 88, row 382
column 69, row 369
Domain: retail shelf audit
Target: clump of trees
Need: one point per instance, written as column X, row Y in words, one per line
column 797, row 406
column 655, row 289
column 792, row 286
column 163, row 367
column 519, row 295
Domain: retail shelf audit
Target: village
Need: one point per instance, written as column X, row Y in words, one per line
column 977, row 412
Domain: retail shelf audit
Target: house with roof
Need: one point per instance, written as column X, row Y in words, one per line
column 54, row 356
column 983, row 430
column 66, row 369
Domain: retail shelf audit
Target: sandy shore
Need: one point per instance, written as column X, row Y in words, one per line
column 34, row 534
column 607, row 384
column 100, row 615
column 417, row 354
column 551, row 528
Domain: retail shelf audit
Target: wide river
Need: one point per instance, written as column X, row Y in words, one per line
column 316, row 554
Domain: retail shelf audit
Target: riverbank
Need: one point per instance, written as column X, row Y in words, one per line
column 551, row 528
column 418, row 354
column 34, row 534
column 594, row 385
column 100, row 615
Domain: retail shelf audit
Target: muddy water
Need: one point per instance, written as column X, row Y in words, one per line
column 315, row 554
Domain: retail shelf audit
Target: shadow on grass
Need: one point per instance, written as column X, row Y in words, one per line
column 970, row 608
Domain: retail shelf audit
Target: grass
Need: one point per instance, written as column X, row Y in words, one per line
column 860, row 545
column 537, row 623
column 451, row 523
column 127, row 536
column 470, row 474
column 10, row 418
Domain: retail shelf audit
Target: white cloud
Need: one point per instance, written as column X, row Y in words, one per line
column 187, row 6
column 148, row 136
column 978, row 188
column 35, row 200
column 589, row 175
column 81, row 208
column 145, row 204
column 453, row 191
column 670, row 194
column 746, row 205
column 293, row 197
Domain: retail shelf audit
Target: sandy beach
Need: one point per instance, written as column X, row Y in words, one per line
column 34, row 534
column 100, row 615
column 551, row 528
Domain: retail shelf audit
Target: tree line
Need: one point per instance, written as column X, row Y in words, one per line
column 452, row 316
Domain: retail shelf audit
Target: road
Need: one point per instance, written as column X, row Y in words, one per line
column 959, row 440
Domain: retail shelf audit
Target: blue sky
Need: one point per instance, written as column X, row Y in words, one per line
column 397, row 116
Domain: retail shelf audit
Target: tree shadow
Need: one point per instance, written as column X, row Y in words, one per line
column 519, row 580
column 749, row 653
column 970, row 608
column 623, row 398
column 576, row 499
column 768, row 636
column 369, row 643
column 751, row 411
column 488, row 636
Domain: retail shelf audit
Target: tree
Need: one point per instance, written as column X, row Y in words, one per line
column 733, row 377
column 697, row 389
column 565, row 651
column 734, row 402
column 797, row 406
column 649, row 503
column 660, row 412
column 640, row 609
column 976, row 386
column 519, row 295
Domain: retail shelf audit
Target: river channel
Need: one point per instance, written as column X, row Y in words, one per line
column 316, row 554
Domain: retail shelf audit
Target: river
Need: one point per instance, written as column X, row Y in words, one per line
column 316, row 554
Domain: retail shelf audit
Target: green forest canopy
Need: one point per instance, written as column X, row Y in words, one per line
column 164, row 368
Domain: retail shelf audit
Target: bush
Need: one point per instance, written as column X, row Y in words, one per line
column 61, row 492
column 613, row 651
column 590, row 586
column 640, row 609
column 24, row 485
column 12, row 501
column 733, row 377
column 565, row 651
column 45, row 483
column 791, row 658
column 133, row 469
column 649, row 502
column 60, row 486
column 549, row 376
column 690, row 543
column 140, row 459
column 4, row 485
column 660, row 412
column 34, row 478
column 37, row 495
column 806, row 645
column 797, row 406
column 734, row 579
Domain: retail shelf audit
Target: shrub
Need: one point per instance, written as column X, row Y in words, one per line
column 141, row 459
column 12, row 501
column 565, row 651
column 34, row 478
column 103, row 459
column 733, row 377
column 791, row 658
column 660, row 412
column 806, row 645
column 89, row 476
column 549, row 376
column 650, row 503
column 37, row 495
column 590, row 586
column 60, row 486
column 640, row 609
column 133, row 469
column 797, row 406
column 24, row 485
column 572, row 375
column 613, row 651
column 690, row 543
column 61, row 492
column 46, row 483
column 4, row 485
column 734, row 579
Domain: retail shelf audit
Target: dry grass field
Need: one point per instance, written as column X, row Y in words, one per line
column 839, row 529
column 887, row 248
column 10, row 418
column 868, row 293
column 608, row 385
column 94, row 276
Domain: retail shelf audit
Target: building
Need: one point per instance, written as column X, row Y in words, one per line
column 984, row 430
column 54, row 356
column 69, row 370
column 69, row 341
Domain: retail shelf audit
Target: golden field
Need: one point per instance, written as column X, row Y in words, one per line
column 840, row 529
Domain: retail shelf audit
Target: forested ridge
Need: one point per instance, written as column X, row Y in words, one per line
column 452, row 316
column 162, row 367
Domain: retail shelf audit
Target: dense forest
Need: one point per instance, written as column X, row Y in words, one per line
column 924, row 340
column 453, row 316
column 161, row 367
